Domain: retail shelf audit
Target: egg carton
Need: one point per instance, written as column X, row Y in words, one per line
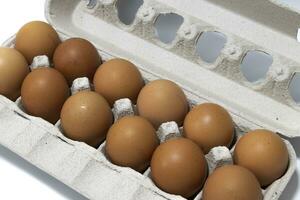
column 86, row 169
column 216, row 157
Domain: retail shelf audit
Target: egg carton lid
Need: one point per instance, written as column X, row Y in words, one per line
column 261, row 24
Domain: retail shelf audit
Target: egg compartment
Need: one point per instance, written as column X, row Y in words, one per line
column 87, row 170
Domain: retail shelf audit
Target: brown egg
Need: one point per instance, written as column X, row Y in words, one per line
column 178, row 166
column 264, row 153
column 131, row 142
column 117, row 79
column 162, row 101
column 13, row 70
column 86, row 117
column 44, row 92
column 75, row 58
column 232, row 182
column 37, row 38
column 209, row 125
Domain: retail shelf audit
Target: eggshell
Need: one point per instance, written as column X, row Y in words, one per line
column 13, row 70
column 117, row 79
column 209, row 125
column 232, row 182
column 86, row 117
column 44, row 92
column 75, row 58
column 162, row 101
column 131, row 142
column 264, row 153
column 35, row 39
column 178, row 166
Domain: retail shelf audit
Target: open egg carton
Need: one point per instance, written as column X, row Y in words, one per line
column 257, row 25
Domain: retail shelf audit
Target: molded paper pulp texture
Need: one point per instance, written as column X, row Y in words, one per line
column 265, row 105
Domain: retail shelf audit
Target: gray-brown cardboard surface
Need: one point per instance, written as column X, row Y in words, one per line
column 266, row 104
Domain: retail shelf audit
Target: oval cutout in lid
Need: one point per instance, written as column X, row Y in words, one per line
column 167, row 25
column 127, row 10
column 210, row 45
column 255, row 65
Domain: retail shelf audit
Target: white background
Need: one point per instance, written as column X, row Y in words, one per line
column 20, row 180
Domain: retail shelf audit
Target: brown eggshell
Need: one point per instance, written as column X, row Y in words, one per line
column 86, row 117
column 131, row 142
column 178, row 166
column 209, row 125
column 37, row 38
column 162, row 101
column 232, row 182
column 117, row 79
column 75, row 58
column 13, row 70
column 44, row 92
column 264, row 153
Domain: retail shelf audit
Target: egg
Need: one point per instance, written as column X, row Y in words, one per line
column 86, row 117
column 178, row 166
column 131, row 142
column 209, row 125
column 13, row 70
column 162, row 101
column 232, row 182
column 75, row 58
column 36, row 38
column 264, row 153
column 44, row 92
column 117, row 79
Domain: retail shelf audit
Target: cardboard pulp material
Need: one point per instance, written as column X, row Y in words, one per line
column 87, row 170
